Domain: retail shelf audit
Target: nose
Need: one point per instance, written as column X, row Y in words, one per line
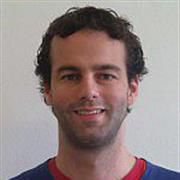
column 89, row 89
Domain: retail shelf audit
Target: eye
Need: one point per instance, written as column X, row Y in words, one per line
column 106, row 76
column 70, row 77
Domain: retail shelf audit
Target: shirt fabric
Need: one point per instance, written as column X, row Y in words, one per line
column 135, row 174
column 151, row 172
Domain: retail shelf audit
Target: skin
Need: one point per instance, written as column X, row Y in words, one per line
column 89, row 76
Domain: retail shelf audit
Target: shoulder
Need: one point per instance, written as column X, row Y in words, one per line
column 39, row 172
column 156, row 172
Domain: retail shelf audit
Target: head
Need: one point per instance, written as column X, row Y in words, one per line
column 106, row 20
column 89, row 64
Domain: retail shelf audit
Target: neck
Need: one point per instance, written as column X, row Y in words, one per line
column 112, row 162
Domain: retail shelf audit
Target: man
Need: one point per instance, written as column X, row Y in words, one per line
column 90, row 63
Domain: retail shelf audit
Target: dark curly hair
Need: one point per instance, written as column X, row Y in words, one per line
column 98, row 19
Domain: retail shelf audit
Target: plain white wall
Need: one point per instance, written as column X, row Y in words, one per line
column 28, row 128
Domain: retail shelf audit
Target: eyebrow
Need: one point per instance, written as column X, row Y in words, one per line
column 68, row 68
column 94, row 68
column 107, row 67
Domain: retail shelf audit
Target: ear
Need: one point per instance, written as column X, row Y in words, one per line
column 47, row 95
column 133, row 90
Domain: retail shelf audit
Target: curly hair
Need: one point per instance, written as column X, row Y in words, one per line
column 98, row 19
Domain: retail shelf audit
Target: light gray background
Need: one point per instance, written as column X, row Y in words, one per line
column 29, row 130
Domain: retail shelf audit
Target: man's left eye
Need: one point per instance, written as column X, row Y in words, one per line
column 107, row 77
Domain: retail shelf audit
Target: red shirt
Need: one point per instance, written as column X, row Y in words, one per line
column 136, row 172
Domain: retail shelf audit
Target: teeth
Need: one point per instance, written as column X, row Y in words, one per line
column 88, row 112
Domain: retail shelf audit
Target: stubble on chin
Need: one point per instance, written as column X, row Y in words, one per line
column 99, row 140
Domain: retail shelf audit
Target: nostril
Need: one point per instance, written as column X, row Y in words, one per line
column 89, row 97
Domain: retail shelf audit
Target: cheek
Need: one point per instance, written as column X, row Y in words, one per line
column 62, row 93
column 114, row 95
column 117, row 102
column 61, row 99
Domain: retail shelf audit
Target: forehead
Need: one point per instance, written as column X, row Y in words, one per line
column 87, row 47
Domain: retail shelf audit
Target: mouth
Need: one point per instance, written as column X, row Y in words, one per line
column 89, row 112
column 91, row 116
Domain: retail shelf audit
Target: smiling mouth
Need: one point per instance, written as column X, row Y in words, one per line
column 86, row 112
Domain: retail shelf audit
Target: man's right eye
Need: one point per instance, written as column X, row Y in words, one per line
column 70, row 77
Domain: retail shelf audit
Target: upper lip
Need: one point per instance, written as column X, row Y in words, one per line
column 89, row 108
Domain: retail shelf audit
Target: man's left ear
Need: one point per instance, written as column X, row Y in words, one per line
column 47, row 95
column 133, row 90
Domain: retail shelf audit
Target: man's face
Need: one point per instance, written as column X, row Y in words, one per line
column 89, row 91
